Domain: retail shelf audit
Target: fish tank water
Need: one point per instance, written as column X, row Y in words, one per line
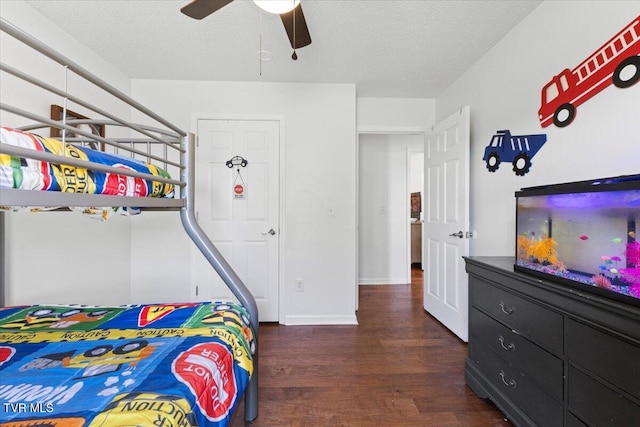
column 582, row 234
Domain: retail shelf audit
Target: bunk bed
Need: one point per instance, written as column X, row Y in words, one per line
column 185, row 363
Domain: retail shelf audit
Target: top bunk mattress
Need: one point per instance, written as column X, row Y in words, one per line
column 30, row 174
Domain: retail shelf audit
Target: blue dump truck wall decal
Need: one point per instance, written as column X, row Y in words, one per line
column 517, row 149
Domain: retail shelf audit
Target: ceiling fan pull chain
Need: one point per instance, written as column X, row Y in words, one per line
column 294, row 56
column 260, row 47
column 260, row 55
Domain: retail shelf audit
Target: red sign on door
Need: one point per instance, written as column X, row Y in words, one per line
column 238, row 191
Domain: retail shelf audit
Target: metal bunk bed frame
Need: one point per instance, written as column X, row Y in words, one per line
column 177, row 139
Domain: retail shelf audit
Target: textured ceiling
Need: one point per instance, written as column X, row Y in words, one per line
column 390, row 48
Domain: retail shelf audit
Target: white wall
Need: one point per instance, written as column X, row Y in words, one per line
column 38, row 101
column 416, row 170
column 384, row 186
column 503, row 89
column 60, row 257
column 319, row 158
column 395, row 114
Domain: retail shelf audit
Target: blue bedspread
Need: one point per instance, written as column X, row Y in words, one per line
column 138, row 365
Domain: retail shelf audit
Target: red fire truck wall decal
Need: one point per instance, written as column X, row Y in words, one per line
column 517, row 149
column 617, row 62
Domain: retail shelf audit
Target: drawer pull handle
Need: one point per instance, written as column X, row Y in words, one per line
column 510, row 383
column 508, row 347
column 506, row 310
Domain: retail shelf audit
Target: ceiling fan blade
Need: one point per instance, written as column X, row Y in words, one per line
column 199, row 9
column 302, row 37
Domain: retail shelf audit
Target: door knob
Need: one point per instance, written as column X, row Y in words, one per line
column 459, row 234
column 270, row 232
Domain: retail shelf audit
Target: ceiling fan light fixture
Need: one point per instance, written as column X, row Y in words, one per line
column 277, row 6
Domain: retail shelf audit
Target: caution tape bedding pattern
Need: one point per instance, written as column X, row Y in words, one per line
column 30, row 174
column 144, row 365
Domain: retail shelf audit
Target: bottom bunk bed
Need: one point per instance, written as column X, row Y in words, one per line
column 182, row 364
column 144, row 365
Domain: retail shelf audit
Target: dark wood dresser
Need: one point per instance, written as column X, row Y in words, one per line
column 548, row 354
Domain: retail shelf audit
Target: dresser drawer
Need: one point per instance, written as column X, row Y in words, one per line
column 612, row 359
column 540, row 366
column 529, row 398
column 537, row 322
column 598, row 405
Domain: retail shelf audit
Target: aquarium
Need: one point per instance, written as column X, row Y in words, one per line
column 582, row 234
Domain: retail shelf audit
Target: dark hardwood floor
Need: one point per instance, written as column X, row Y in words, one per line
column 398, row 367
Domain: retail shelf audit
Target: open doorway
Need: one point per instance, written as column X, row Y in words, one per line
column 385, row 184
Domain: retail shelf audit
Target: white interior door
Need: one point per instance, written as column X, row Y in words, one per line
column 446, row 222
column 244, row 227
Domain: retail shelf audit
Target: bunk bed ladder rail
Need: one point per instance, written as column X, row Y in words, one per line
column 220, row 265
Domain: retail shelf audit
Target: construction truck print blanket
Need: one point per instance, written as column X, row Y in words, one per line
column 144, row 365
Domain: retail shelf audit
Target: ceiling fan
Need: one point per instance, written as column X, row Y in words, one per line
column 290, row 12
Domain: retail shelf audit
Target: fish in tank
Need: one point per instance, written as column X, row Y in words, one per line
column 583, row 234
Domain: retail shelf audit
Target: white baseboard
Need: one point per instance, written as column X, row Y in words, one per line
column 320, row 320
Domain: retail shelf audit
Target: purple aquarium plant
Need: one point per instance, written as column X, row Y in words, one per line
column 631, row 275
column 633, row 253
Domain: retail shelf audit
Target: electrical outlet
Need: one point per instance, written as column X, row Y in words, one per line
column 299, row 285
